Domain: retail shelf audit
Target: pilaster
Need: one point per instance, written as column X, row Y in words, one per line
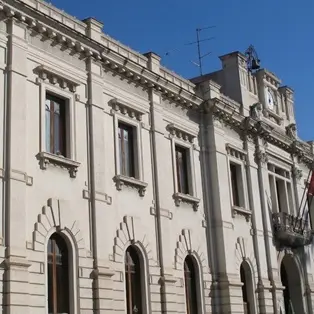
column 261, row 160
column 16, row 275
column 97, row 176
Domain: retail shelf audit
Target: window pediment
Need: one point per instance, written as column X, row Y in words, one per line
column 125, row 108
column 181, row 132
column 56, row 77
column 236, row 152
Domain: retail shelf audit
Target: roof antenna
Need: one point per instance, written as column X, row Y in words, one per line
column 198, row 43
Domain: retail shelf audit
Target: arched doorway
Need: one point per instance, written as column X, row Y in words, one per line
column 291, row 280
column 247, row 288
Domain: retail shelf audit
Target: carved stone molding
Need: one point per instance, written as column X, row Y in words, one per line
column 236, row 210
column 186, row 245
column 181, row 132
column 121, row 181
column 45, row 159
column 296, row 172
column 100, row 197
column 131, row 231
column 55, row 77
column 17, row 263
column 125, row 108
column 291, row 130
column 260, row 157
column 256, row 111
column 236, row 152
column 185, row 198
column 245, row 252
column 102, row 272
column 52, row 217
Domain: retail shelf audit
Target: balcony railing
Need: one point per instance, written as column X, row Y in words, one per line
column 291, row 231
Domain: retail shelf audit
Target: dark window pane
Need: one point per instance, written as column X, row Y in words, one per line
column 182, row 169
column 58, row 275
column 55, row 125
column 47, row 121
column 133, row 281
column 50, row 288
column 234, row 184
column 246, row 302
column 126, row 150
column 190, row 286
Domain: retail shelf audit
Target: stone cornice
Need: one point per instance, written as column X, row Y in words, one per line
column 54, row 76
column 81, row 44
column 228, row 114
column 269, row 77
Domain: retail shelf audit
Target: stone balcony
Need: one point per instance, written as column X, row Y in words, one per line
column 291, row 231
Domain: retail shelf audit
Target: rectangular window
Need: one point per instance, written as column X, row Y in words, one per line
column 126, row 149
column 55, row 119
column 236, row 184
column 181, row 156
column 280, row 190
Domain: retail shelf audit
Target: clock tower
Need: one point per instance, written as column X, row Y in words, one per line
column 276, row 100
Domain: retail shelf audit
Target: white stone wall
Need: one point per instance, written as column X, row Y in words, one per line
column 43, row 198
column 99, row 216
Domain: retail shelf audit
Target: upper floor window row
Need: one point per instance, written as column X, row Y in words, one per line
column 129, row 168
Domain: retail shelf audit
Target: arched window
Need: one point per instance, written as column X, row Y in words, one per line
column 58, row 275
column 291, row 279
column 247, row 288
column 190, row 286
column 133, row 281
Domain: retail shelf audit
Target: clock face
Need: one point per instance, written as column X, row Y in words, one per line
column 269, row 99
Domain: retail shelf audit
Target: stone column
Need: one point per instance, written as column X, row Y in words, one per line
column 262, row 285
column 272, row 291
column 16, row 276
column 226, row 285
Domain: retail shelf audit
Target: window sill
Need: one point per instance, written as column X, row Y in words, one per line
column 186, row 198
column 236, row 210
column 122, row 180
column 57, row 160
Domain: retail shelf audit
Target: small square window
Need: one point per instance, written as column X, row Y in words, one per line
column 126, row 137
column 55, row 125
column 182, row 162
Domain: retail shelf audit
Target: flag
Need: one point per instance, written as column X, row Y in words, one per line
column 310, row 194
column 310, row 190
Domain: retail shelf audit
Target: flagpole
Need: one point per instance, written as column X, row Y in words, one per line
column 309, row 198
column 300, row 206
column 304, row 191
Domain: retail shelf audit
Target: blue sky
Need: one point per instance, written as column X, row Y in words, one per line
column 281, row 31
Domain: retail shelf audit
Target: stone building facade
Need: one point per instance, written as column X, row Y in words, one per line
column 126, row 188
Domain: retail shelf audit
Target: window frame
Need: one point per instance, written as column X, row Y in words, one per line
column 289, row 188
column 190, row 166
column 144, row 278
column 198, row 283
column 240, row 182
column 134, row 162
column 250, row 284
column 135, row 122
column 63, row 103
column 70, row 113
column 72, row 270
column 178, row 196
column 187, row 166
column 238, row 157
column 46, row 158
